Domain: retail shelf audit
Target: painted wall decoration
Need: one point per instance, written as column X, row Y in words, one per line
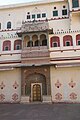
column 72, row 84
column 2, row 85
column 15, row 85
column 10, row 86
column 73, row 96
column 2, row 97
column 15, row 97
column 58, row 84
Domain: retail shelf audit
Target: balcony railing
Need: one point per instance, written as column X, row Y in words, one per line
column 34, row 52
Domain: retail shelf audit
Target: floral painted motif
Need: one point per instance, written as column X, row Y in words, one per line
column 2, row 97
column 72, row 84
column 2, row 85
column 73, row 96
column 58, row 84
column 58, row 96
column 15, row 97
column 15, row 85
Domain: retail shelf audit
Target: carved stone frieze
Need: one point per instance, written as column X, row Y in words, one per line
column 34, row 26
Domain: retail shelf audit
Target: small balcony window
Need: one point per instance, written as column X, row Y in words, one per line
column 64, row 12
column 8, row 25
column 55, row 13
column 78, row 42
column 43, row 15
column 67, row 40
column 75, row 3
column 18, row 47
column 38, row 15
column 67, row 43
column 33, row 16
column 28, row 16
column 55, row 41
column 6, row 48
column 78, row 39
column 6, row 45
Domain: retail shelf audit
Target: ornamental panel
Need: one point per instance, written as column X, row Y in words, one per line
column 58, row 96
column 15, row 97
column 15, row 85
column 73, row 96
column 2, row 85
column 58, row 84
column 2, row 97
column 72, row 84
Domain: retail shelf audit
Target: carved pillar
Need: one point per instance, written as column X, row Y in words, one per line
column 39, row 40
column 31, row 42
column 22, row 41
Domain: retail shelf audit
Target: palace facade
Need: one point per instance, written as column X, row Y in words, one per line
column 40, row 51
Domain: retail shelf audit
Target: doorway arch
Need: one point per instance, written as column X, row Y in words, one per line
column 35, row 81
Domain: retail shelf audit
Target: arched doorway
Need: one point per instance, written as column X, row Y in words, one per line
column 35, row 86
column 36, row 92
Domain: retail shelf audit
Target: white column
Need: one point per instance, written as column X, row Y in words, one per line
column 12, row 44
column 61, row 42
column 74, row 40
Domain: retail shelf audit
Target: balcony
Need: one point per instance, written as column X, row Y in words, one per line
column 33, row 52
column 35, row 55
column 33, row 26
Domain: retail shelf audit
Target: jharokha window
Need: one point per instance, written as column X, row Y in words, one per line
column 78, row 39
column 67, row 40
column 6, row 45
column 55, row 41
column 30, row 44
column 17, row 44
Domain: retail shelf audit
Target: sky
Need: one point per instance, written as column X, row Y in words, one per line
column 7, row 2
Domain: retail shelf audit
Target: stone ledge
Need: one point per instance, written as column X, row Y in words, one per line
column 24, row 99
column 47, row 99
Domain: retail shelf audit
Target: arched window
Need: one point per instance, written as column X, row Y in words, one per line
column 26, row 39
column 75, row 3
column 6, row 45
column 67, row 40
column 44, row 42
column 30, row 44
column 78, row 39
column 35, row 40
column 55, row 41
column 43, row 39
column 8, row 25
column 17, row 44
column 37, row 43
